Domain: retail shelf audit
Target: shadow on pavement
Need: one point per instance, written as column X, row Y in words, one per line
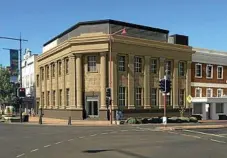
column 128, row 153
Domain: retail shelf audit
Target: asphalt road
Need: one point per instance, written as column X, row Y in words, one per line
column 112, row 142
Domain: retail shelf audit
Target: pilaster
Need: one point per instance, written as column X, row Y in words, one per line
column 188, row 82
column 131, row 82
column 103, row 75
column 72, row 73
column 161, row 75
column 147, row 104
column 79, row 81
column 175, row 83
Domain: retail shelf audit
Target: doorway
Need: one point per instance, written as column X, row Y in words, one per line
column 92, row 107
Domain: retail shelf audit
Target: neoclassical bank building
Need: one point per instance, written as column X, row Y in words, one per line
column 75, row 68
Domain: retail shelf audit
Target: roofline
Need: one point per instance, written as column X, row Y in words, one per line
column 106, row 21
column 211, row 51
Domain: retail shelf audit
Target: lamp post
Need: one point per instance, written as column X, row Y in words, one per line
column 20, row 41
column 123, row 31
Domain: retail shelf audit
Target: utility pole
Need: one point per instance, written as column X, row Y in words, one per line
column 20, row 61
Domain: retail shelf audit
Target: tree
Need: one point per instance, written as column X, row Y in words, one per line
column 7, row 93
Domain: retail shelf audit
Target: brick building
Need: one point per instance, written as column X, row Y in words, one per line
column 74, row 70
column 209, row 73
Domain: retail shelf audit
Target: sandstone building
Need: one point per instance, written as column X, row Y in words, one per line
column 76, row 66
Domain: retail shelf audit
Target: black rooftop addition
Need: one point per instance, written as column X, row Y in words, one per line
column 110, row 22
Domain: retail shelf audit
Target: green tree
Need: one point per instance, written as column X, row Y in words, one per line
column 6, row 88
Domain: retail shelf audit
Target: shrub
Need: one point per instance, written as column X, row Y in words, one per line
column 144, row 120
column 193, row 119
column 184, row 119
column 132, row 120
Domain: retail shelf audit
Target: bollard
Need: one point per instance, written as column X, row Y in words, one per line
column 69, row 121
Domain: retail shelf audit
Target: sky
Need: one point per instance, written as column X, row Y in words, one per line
column 204, row 21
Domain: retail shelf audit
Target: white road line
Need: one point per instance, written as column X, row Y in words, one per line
column 46, row 146
column 70, row 140
column 20, row 155
column 191, row 136
column 210, row 134
column 81, row 137
column 92, row 135
column 34, row 150
column 173, row 132
column 218, row 141
column 58, row 143
column 104, row 133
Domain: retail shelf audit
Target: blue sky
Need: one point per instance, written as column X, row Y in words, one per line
column 204, row 21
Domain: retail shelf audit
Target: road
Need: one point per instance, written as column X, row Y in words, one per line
column 34, row 141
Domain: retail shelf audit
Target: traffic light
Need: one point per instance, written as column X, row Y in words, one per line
column 21, row 92
column 162, row 85
column 168, row 86
column 108, row 92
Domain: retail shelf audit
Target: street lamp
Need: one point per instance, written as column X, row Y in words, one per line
column 20, row 40
column 123, row 31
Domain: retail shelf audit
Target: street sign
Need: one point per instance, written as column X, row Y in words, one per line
column 189, row 98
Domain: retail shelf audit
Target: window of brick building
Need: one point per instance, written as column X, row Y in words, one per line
column 220, row 72
column 198, row 70
column 209, row 71
column 209, row 92
column 219, row 92
column 198, row 92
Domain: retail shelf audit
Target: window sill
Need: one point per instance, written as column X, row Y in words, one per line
column 198, row 77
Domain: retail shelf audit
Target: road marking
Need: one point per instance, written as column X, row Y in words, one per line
column 104, row 133
column 218, row 141
column 191, row 136
column 34, row 150
column 204, row 133
column 173, row 132
column 20, row 155
column 46, row 146
column 81, row 137
column 93, row 135
column 58, row 143
column 70, row 140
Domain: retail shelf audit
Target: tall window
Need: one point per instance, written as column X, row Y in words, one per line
column 181, row 97
column 92, row 63
column 47, row 72
column 220, row 72
column 209, row 92
column 209, row 71
column 138, row 64
column 67, row 97
column 219, row 92
column 121, row 63
column 48, row 98
column 54, row 98
column 153, row 96
column 154, row 63
column 168, row 67
column 67, row 66
column 121, row 96
column 42, row 98
column 198, row 70
column 138, row 96
column 53, row 70
column 168, row 99
column 198, row 92
column 42, row 73
column 181, row 68
column 59, row 68
column 60, row 97
column 37, row 80
column 219, row 108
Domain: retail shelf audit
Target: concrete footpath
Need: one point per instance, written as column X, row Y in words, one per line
column 59, row 122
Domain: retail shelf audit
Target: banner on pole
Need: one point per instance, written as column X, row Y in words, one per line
column 14, row 67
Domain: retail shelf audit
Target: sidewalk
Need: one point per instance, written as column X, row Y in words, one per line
column 59, row 122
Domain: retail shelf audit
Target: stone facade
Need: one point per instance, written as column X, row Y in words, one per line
column 72, row 76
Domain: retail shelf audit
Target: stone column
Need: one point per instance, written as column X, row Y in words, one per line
column 131, row 82
column 147, row 83
column 161, row 75
column 103, row 79
column 45, row 87
column 188, row 82
column 175, row 84
column 51, row 88
column 57, row 85
column 72, row 72
column 63, row 87
column 40, row 87
column 79, row 81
